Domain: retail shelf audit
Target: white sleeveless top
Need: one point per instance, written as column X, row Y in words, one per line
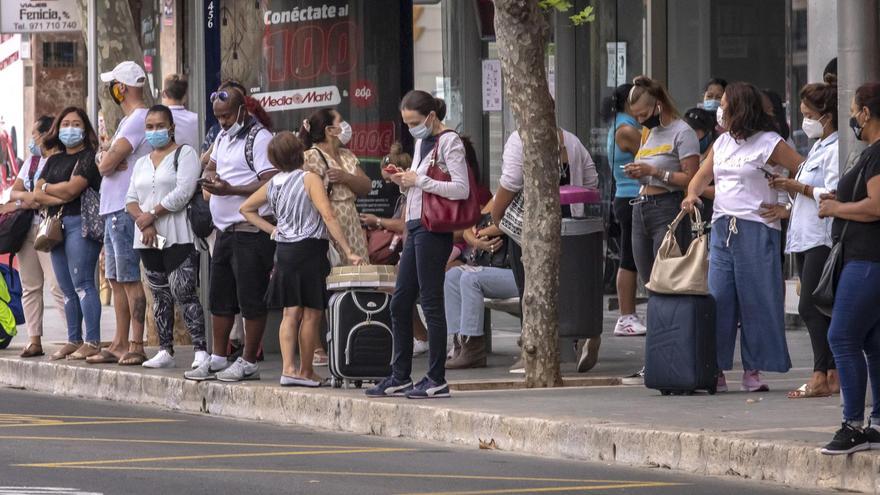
column 298, row 219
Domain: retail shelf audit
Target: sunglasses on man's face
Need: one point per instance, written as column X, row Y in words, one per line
column 219, row 95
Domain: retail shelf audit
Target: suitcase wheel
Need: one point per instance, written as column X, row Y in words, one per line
column 334, row 382
column 665, row 392
column 358, row 384
column 713, row 389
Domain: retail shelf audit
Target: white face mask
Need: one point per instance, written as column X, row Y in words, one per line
column 812, row 128
column 344, row 132
column 719, row 117
column 422, row 130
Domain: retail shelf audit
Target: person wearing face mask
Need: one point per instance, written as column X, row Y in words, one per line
column 162, row 185
column 62, row 182
column 854, row 334
column 704, row 123
column 35, row 266
column 325, row 134
column 243, row 255
column 745, row 269
column 808, row 237
column 712, row 93
column 121, row 262
column 422, row 268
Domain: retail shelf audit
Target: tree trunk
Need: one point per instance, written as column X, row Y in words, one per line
column 521, row 32
column 118, row 41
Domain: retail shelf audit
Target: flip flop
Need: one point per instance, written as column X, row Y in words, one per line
column 132, row 359
column 103, row 357
column 805, row 392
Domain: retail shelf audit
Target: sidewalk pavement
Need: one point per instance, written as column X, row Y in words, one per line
column 761, row 436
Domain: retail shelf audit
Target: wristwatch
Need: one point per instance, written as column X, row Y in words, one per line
column 45, row 185
column 379, row 223
column 152, row 212
column 17, row 204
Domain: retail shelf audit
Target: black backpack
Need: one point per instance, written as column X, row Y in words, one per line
column 15, row 225
column 197, row 210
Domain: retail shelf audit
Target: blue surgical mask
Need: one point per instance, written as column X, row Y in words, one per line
column 71, row 137
column 711, row 104
column 158, row 138
column 421, row 131
column 34, row 149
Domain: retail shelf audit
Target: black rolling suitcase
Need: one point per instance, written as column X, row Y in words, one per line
column 359, row 337
column 680, row 346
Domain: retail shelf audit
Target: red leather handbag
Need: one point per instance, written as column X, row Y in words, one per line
column 441, row 214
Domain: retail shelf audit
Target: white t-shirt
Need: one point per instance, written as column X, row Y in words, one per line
column 186, row 126
column 24, row 175
column 115, row 186
column 740, row 186
column 233, row 168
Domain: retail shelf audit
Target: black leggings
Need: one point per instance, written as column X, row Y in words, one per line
column 810, row 264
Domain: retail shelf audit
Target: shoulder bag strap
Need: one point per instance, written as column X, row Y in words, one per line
column 249, row 146
column 437, row 146
column 327, row 165
column 177, row 156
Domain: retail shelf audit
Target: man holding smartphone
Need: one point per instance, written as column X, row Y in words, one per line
column 243, row 255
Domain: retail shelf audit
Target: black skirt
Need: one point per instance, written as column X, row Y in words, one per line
column 300, row 275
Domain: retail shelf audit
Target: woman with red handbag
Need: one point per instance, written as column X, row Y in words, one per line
column 434, row 207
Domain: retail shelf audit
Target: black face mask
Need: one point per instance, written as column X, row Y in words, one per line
column 856, row 128
column 652, row 121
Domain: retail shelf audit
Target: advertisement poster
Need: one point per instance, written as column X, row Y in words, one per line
column 345, row 55
column 44, row 16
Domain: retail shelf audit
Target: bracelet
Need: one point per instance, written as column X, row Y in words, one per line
column 379, row 222
column 804, row 189
column 666, row 175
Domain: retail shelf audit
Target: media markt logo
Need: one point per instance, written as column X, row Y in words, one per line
column 297, row 99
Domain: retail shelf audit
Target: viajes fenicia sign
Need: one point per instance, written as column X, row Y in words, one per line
column 44, row 16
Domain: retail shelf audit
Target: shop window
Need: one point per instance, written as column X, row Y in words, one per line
column 59, row 54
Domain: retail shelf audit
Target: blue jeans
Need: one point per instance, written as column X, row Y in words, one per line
column 464, row 291
column 854, row 335
column 121, row 262
column 745, row 277
column 74, row 262
column 420, row 276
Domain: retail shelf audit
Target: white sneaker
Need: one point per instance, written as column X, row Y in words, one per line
column 162, row 359
column 201, row 357
column 419, row 347
column 629, row 326
column 238, row 371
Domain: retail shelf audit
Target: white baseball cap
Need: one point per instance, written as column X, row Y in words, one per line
column 128, row 73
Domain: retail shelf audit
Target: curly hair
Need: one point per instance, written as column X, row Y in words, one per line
column 744, row 115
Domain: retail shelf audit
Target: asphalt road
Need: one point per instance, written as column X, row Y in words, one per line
column 68, row 446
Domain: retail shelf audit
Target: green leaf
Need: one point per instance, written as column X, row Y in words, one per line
column 560, row 5
column 584, row 16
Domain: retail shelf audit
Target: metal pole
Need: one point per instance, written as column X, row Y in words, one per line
column 92, row 51
column 857, row 63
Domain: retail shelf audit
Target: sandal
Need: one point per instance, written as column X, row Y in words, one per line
column 102, row 357
column 806, row 392
column 68, row 349
column 85, row 351
column 32, row 350
column 133, row 359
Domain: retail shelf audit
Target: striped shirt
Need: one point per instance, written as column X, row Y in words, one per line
column 298, row 219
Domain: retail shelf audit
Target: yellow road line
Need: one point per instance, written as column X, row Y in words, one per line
column 176, row 442
column 552, row 489
column 355, row 474
column 215, row 456
column 74, row 423
column 54, row 416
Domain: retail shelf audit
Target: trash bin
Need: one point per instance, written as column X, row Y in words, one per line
column 580, row 283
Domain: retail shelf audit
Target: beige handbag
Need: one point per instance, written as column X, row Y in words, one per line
column 50, row 232
column 677, row 274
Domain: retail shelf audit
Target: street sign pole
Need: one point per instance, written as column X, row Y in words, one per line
column 92, row 49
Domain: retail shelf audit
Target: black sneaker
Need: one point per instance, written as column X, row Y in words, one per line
column 872, row 433
column 847, row 440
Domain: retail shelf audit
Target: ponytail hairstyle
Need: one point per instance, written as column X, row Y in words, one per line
column 643, row 85
column 423, row 103
column 616, row 103
column 470, row 156
column 314, row 128
column 822, row 98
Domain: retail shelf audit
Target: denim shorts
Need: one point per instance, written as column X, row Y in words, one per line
column 121, row 261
